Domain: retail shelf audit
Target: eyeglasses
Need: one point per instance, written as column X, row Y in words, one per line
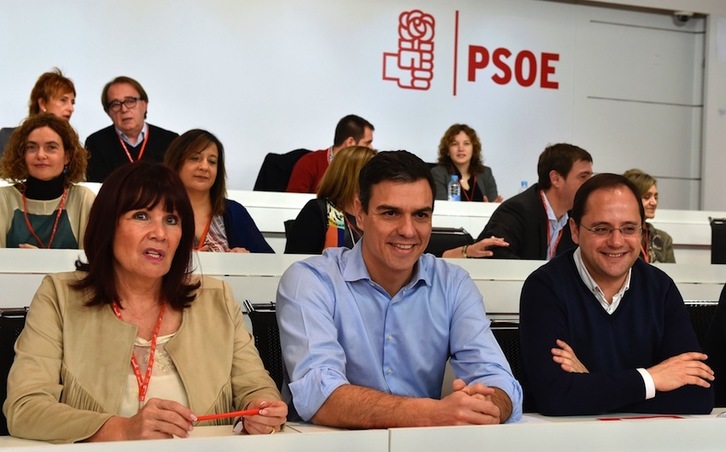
column 628, row 230
column 129, row 102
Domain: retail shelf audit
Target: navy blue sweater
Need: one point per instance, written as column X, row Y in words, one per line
column 241, row 229
column 650, row 325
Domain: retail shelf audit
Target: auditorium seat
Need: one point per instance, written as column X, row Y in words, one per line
column 276, row 169
column 12, row 321
column 267, row 338
column 701, row 313
column 507, row 335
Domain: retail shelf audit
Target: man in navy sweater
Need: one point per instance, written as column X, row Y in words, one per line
column 603, row 331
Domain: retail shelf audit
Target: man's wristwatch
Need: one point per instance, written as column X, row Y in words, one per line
column 463, row 251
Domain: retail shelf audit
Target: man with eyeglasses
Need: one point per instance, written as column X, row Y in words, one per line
column 130, row 138
column 603, row 331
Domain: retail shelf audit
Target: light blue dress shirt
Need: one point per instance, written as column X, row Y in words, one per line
column 339, row 327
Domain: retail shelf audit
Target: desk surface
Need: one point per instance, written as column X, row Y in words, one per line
column 533, row 433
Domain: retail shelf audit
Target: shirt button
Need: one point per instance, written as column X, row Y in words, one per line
column 389, row 371
column 389, row 337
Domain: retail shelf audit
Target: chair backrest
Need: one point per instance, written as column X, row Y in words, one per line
column 701, row 313
column 276, row 169
column 267, row 340
column 507, row 335
column 12, row 321
column 443, row 239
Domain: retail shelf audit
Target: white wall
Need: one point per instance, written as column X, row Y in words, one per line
column 277, row 75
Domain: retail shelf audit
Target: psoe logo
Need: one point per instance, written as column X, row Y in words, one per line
column 412, row 67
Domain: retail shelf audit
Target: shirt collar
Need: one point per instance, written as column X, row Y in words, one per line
column 354, row 268
column 140, row 139
column 595, row 289
column 560, row 222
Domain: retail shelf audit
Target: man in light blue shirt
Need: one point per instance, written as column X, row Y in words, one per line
column 366, row 332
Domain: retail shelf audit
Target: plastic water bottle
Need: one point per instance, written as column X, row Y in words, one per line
column 454, row 188
column 522, row 186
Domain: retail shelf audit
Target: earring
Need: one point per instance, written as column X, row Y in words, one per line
column 65, row 169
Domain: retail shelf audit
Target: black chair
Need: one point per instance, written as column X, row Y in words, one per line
column 443, row 239
column 701, row 313
column 267, row 338
column 507, row 335
column 718, row 240
column 276, row 170
column 12, row 321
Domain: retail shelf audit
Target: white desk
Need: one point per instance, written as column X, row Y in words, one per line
column 256, row 276
column 220, row 438
column 568, row 434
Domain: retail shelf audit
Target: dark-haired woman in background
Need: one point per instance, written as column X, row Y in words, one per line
column 220, row 224
column 460, row 154
column 132, row 345
column 44, row 208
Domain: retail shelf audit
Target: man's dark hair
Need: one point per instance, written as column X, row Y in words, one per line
column 397, row 166
column 559, row 157
column 604, row 181
column 350, row 126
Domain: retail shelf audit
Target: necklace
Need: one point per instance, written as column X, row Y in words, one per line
column 55, row 223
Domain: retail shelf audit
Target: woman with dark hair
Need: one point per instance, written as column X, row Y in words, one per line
column 52, row 93
column 44, row 208
column 460, row 155
column 132, row 345
column 220, row 224
column 329, row 220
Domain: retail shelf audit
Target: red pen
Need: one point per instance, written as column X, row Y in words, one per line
column 628, row 418
column 209, row 417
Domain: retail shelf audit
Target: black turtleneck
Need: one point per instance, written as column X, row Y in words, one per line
column 44, row 190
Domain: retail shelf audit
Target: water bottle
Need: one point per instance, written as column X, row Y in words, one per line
column 522, row 186
column 454, row 188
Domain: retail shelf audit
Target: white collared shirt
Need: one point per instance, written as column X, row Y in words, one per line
column 139, row 139
column 556, row 225
column 610, row 308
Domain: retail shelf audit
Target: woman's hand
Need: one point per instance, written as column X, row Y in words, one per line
column 157, row 419
column 27, row 246
column 270, row 420
column 238, row 250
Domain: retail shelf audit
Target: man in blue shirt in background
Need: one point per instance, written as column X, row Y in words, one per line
column 366, row 333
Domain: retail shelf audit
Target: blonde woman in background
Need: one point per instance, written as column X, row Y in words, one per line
column 329, row 220
column 656, row 245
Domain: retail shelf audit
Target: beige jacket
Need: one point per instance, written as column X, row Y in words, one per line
column 79, row 356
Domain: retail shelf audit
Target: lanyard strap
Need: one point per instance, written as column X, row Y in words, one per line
column 55, row 223
column 143, row 146
column 472, row 187
column 144, row 382
column 203, row 237
column 553, row 252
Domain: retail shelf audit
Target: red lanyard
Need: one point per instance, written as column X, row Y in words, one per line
column 552, row 253
column 143, row 147
column 144, row 382
column 203, row 237
column 471, row 188
column 55, row 224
